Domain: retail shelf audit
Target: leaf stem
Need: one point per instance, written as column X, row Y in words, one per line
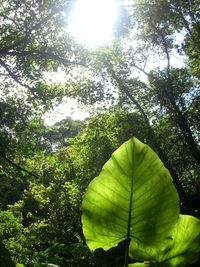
column 129, row 225
column 127, row 251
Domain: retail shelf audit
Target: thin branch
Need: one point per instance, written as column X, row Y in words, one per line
column 164, row 44
column 124, row 88
column 4, row 74
column 39, row 53
column 17, row 166
column 15, row 78
column 11, row 74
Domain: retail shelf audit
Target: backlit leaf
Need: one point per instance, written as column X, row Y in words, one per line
column 133, row 197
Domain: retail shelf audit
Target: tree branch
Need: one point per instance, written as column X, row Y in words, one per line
column 15, row 78
column 17, row 166
column 44, row 54
column 164, row 45
column 28, row 33
column 124, row 89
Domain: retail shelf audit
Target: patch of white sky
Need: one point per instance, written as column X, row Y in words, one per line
column 92, row 25
column 68, row 107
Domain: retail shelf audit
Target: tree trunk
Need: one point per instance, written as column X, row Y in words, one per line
column 185, row 129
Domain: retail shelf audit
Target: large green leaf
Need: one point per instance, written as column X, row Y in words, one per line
column 143, row 264
column 186, row 245
column 183, row 249
column 138, row 264
column 132, row 198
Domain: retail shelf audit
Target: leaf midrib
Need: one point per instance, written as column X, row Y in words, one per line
column 129, row 214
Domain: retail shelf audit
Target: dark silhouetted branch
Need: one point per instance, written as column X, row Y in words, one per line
column 17, row 166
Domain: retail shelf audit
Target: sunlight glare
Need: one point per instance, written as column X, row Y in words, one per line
column 92, row 21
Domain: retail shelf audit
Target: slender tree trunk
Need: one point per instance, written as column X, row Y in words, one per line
column 185, row 129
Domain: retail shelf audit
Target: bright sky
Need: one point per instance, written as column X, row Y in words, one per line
column 68, row 108
column 92, row 21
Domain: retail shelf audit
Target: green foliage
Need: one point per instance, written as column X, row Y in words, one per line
column 11, row 190
column 50, row 212
column 57, row 136
column 5, row 259
column 62, row 254
column 11, row 234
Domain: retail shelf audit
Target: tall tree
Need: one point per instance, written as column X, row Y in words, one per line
column 33, row 42
column 170, row 92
